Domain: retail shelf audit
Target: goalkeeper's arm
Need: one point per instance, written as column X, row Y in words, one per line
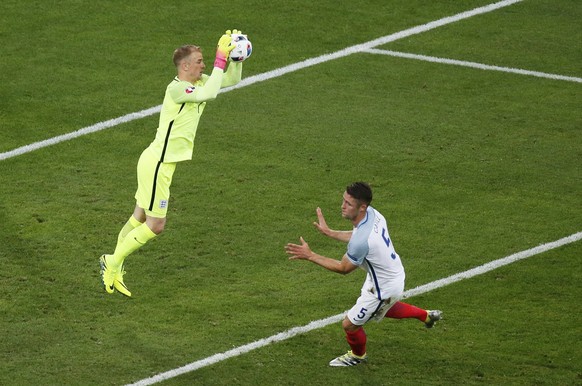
column 232, row 75
column 206, row 92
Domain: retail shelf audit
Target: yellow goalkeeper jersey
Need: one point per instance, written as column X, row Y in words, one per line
column 183, row 105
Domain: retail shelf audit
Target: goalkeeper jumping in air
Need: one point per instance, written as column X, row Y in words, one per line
column 184, row 102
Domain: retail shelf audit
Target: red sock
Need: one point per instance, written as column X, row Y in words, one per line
column 403, row 311
column 357, row 340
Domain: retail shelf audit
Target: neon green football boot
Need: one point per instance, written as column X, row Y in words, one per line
column 119, row 284
column 107, row 273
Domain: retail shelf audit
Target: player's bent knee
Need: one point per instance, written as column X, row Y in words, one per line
column 349, row 326
column 156, row 224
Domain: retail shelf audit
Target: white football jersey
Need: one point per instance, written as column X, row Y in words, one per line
column 371, row 248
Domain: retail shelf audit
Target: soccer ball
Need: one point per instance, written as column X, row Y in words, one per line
column 242, row 48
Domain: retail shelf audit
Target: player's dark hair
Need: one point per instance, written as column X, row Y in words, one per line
column 183, row 52
column 361, row 191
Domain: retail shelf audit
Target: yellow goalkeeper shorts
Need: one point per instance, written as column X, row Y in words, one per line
column 153, row 184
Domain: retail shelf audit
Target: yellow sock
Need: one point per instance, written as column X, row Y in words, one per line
column 134, row 240
column 130, row 225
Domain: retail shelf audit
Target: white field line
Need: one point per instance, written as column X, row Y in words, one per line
column 337, row 318
column 265, row 76
column 86, row 130
column 474, row 65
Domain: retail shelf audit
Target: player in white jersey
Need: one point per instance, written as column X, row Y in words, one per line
column 370, row 248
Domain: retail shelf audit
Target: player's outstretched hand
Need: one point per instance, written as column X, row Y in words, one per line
column 223, row 49
column 321, row 225
column 297, row 251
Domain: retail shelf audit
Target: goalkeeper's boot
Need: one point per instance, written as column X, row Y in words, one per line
column 432, row 317
column 107, row 273
column 348, row 359
column 118, row 282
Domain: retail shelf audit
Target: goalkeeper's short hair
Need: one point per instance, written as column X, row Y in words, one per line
column 183, row 52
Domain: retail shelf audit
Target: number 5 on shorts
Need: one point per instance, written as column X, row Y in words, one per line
column 362, row 313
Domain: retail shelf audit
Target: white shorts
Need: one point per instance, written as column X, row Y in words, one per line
column 368, row 306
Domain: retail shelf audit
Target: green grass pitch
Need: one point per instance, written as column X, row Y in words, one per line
column 468, row 165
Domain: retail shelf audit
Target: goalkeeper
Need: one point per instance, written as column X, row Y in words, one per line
column 184, row 102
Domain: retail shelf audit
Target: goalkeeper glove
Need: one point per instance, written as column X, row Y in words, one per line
column 223, row 50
